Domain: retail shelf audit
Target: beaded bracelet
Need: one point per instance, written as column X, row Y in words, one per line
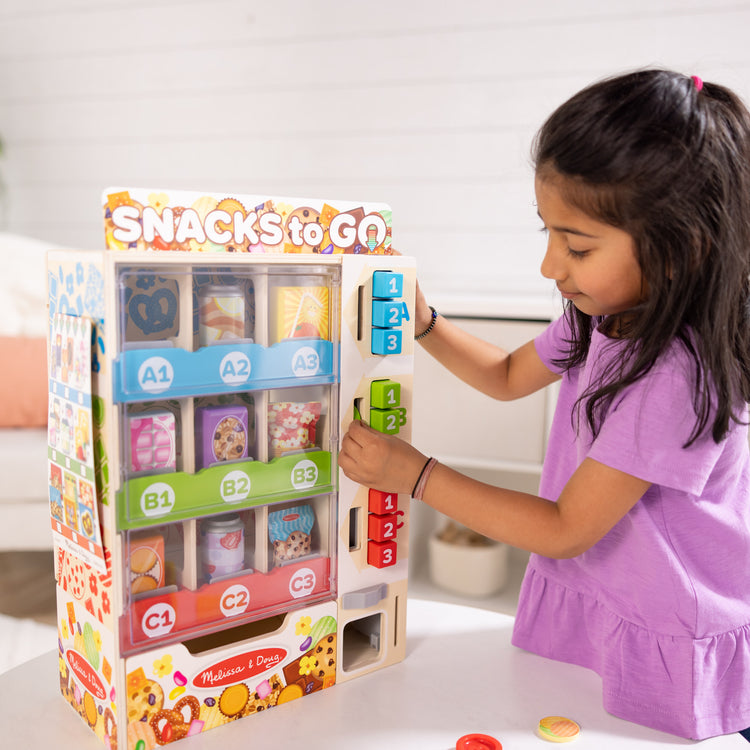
column 429, row 327
column 418, row 492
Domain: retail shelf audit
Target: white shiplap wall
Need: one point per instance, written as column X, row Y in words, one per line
column 428, row 106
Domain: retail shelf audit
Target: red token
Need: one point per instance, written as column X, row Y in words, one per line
column 478, row 742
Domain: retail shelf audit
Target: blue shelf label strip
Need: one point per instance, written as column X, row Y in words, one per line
column 170, row 372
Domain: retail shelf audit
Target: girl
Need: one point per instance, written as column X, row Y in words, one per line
column 641, row 530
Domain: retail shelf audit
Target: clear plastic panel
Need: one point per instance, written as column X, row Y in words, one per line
column 191, row 578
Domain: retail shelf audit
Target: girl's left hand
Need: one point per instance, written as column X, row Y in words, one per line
column 382, row 462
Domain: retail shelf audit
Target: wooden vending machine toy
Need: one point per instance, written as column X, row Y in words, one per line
column 211, row 559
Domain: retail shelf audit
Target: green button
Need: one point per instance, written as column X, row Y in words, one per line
column 388, row 421
column 385, row 394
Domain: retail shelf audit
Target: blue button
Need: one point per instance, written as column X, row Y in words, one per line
column 387, row 284
column 388, row 313
column 386, row 341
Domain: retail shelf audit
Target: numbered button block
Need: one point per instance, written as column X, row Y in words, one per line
column 387, row 284
column 386, row 341
column 388, row 421
column 381, row 554
column 384, row 528
column 382, row 502
column 388, row 313
column 385, row 394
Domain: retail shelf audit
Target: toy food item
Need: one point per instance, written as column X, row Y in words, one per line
column 146, row 559
column 152, row 441
column 292, row 425
column 221, row 311
column 289, row 531
column 300, row 311
column 222, row 545
column 478, row 742
column 223, row 434
column 229, row 439
column 558, row 729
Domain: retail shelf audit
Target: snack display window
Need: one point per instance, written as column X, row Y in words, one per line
column 207, row 465
column 184, row 578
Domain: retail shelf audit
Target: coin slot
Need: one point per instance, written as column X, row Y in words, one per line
column 355, row 541
column 360, row 312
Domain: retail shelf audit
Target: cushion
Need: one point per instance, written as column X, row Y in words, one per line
column 23, row 385
column 23, row 330
column 23, row 285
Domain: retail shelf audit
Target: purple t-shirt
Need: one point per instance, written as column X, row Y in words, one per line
column 660, row 606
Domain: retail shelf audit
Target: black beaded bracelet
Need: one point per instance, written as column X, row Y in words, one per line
column 429, row 327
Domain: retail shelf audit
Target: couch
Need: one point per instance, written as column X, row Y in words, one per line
column 24, row 503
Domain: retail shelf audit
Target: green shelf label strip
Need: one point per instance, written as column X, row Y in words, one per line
column 176, row 496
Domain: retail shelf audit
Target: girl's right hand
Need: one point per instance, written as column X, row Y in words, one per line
column 380, row 461
column 422, row 313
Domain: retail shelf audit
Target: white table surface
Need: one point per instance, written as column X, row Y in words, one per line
column 461, row 675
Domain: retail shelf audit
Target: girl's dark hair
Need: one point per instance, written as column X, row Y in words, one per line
column 668, row 161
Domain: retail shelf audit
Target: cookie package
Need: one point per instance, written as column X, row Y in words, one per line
column 290, row 532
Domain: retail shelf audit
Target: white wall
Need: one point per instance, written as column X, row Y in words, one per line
column 429, row 106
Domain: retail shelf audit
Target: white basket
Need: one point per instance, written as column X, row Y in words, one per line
column 469, row 570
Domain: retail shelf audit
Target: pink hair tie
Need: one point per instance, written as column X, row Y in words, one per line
column 698, row 82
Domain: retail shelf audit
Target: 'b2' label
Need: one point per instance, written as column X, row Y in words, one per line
column 235, row 487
